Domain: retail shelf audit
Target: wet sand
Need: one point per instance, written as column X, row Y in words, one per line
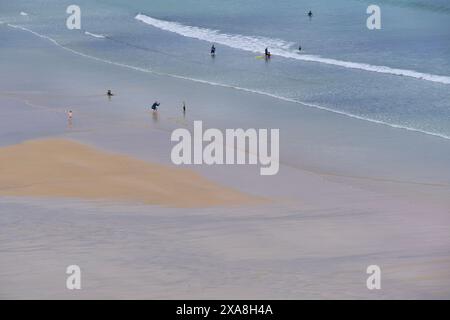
column 348, row 194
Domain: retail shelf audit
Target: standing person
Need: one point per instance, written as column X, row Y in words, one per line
column 310, row 14
column 69, row 119
column 213, row 50
column 184, row 107
column 267, row 53
column 109, row 94
column 155, row 106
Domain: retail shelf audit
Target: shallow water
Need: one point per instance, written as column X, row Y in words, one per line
column 349, row 193
column 413, row 42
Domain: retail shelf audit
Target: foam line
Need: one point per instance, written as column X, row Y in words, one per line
column 227, row 86
column 99, row 36
column 278, row 47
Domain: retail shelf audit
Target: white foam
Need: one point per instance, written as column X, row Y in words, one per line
column 23, row 13
column 253, row 44
column 100, row 36
column 398, row 126
column 278, row 47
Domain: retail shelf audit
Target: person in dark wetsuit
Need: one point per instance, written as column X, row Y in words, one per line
column 155, row 106
column 267, row 53
column 310, row 14
column 109, row 94
column 213, row 50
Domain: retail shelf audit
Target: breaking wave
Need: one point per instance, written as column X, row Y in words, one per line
column 277, row 47
column 131, row 67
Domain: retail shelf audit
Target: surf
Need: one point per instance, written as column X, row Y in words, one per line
column 139, row 69
column 99, row 36
column 278, row 47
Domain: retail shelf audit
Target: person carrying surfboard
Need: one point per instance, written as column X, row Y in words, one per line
column 267, row 53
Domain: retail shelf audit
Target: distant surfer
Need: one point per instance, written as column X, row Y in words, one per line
column 109, row 94
column 213, row 50
column 184, row 107
column 69, row 120
column 310, row 14
column 155, row 106
column 299, row 48
column 267, row 53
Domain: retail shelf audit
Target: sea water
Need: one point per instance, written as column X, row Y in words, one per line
column 397, row 76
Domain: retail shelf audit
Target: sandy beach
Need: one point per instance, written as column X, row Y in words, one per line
column 64, row 168
column 100, row 191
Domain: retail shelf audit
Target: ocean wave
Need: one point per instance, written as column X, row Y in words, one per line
column 253, row 44
column 23, row 13
column 100, row 36
column 278, row 47
column 122, row 65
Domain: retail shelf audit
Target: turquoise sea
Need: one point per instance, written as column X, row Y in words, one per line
column 398, row 76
